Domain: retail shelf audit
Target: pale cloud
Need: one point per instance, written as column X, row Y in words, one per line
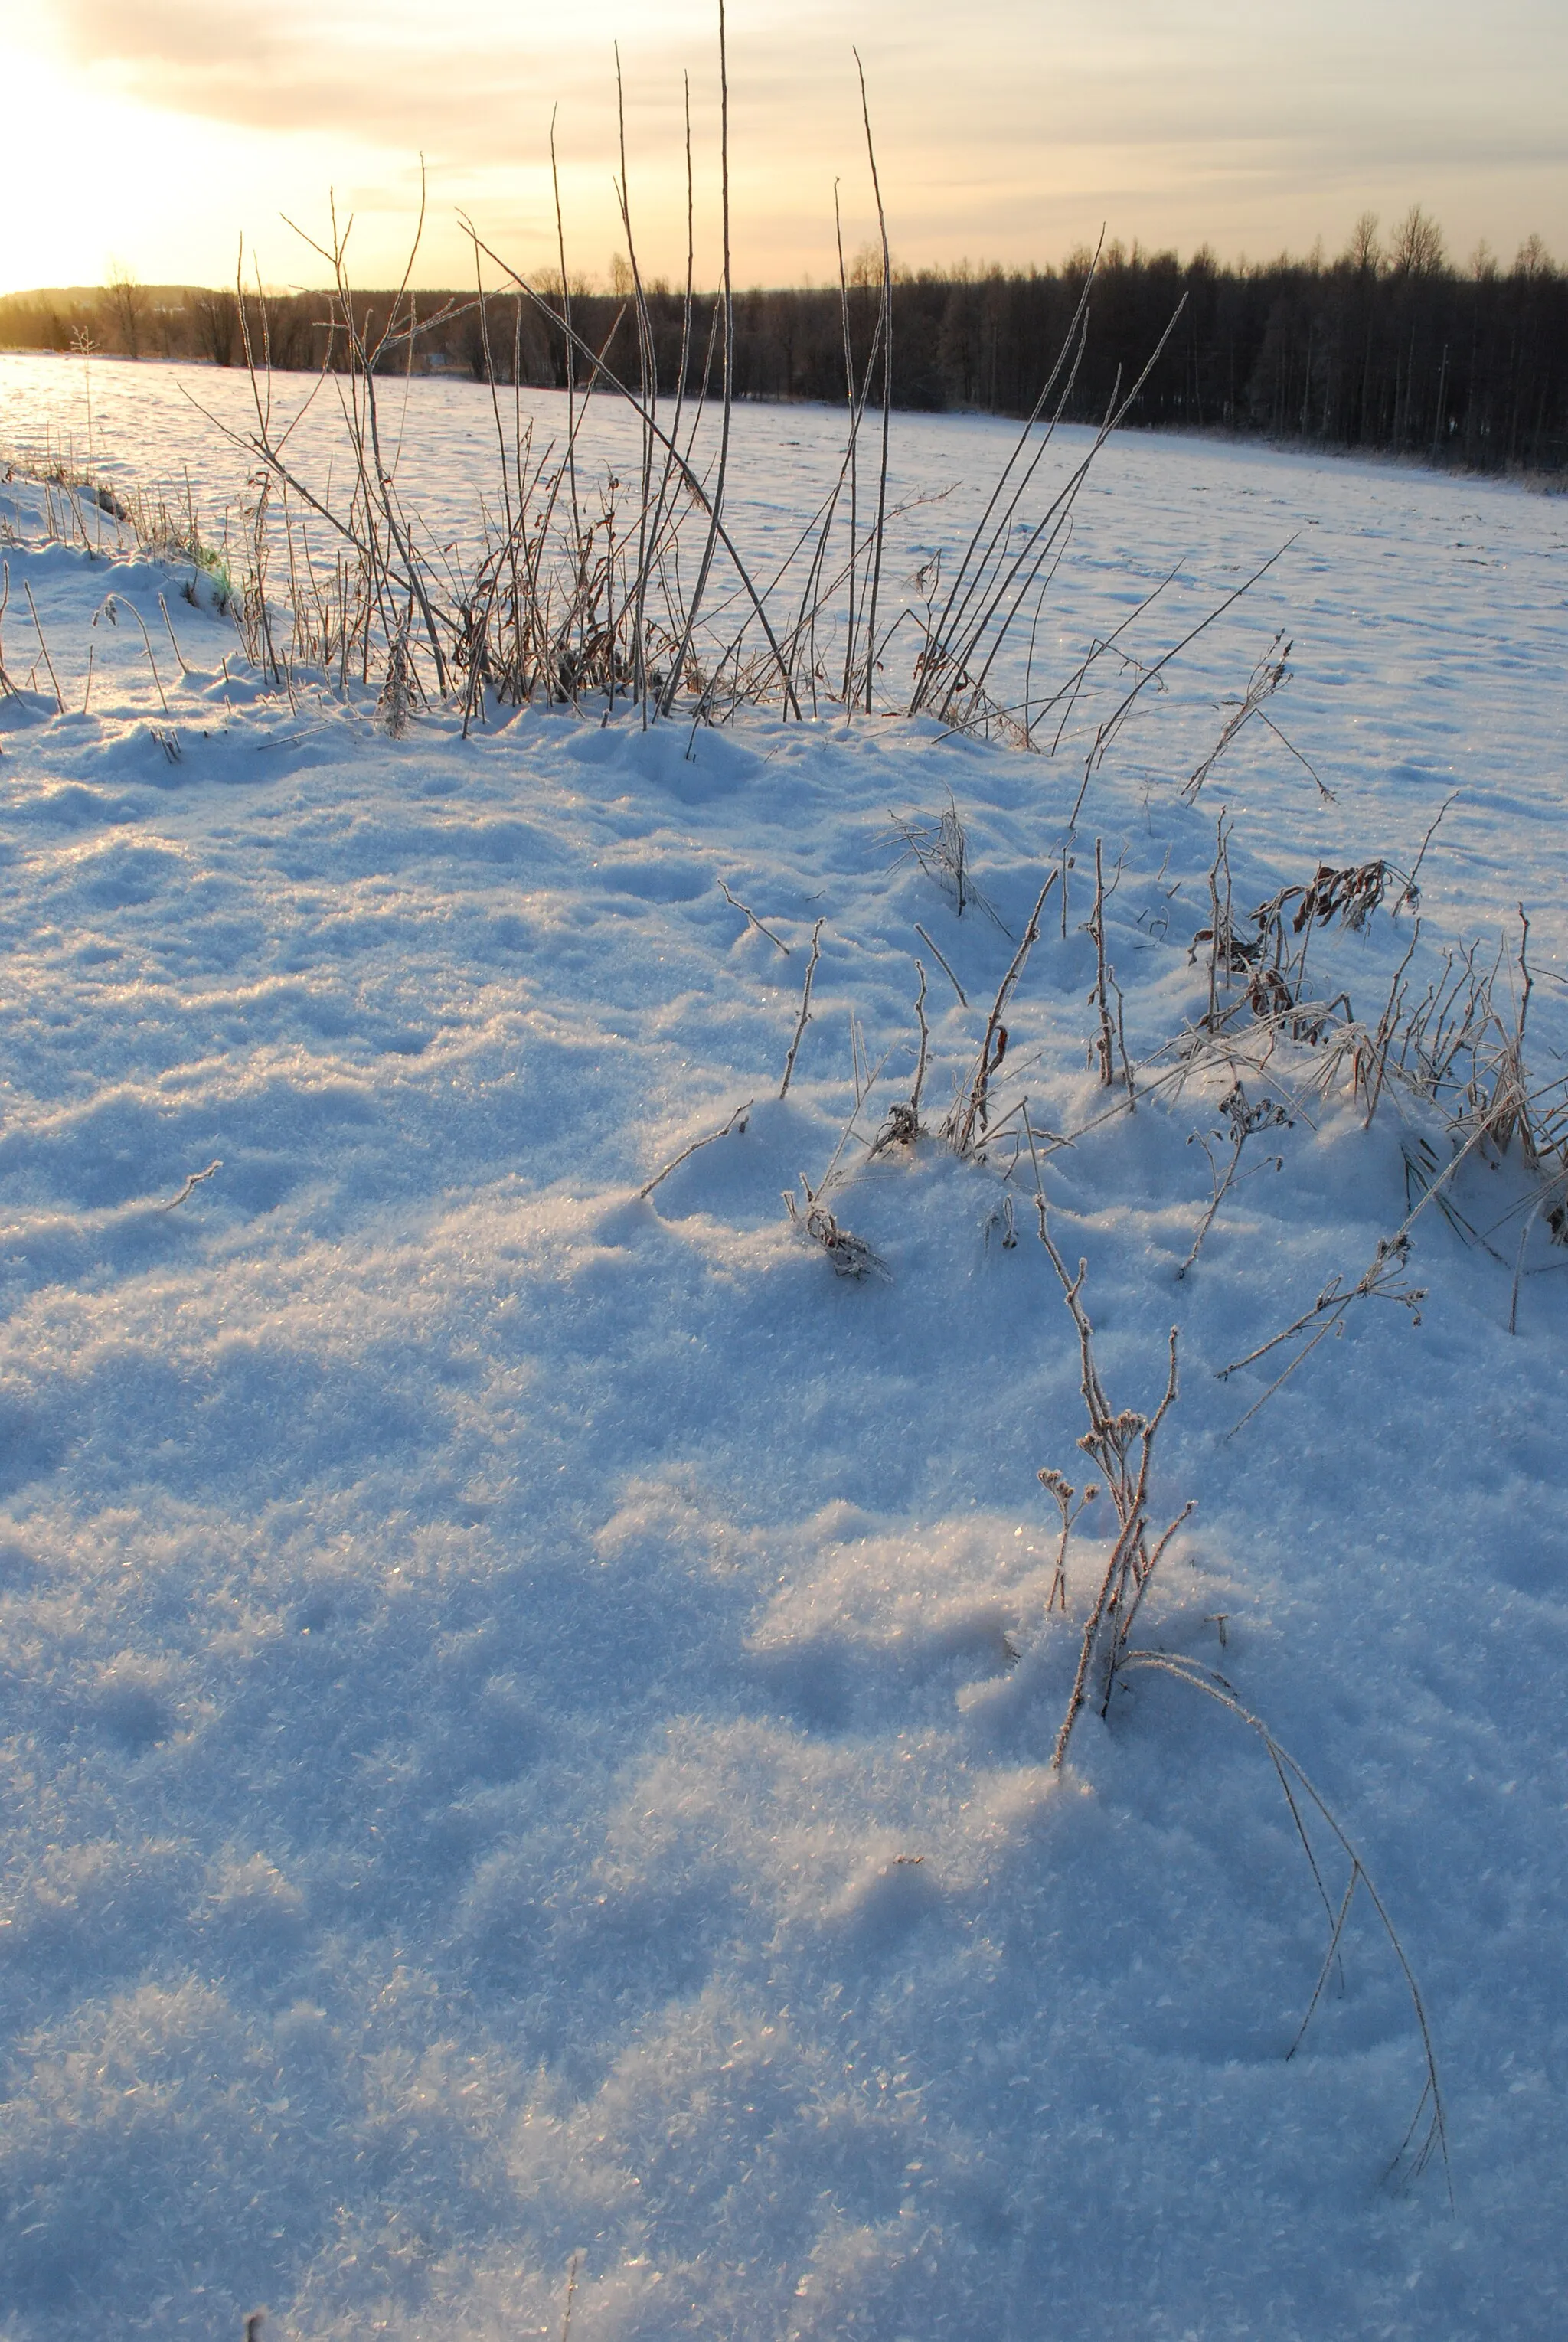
column 1007, row 129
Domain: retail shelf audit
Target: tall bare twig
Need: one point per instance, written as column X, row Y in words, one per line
column 970, row 1112
column 804, row 1018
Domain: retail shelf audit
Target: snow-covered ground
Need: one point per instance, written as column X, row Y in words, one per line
column 528, row 1708
column 1426, row 614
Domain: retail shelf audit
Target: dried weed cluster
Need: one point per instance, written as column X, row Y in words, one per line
column 1274, row 1039
column 623, row 589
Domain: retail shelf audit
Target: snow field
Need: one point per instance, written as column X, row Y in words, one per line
column 528, row 1709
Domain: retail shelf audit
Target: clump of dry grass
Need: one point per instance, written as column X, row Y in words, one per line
column 632, row 592
column 939, row 845
column 1120, row 1443
column 77, row 501
column 1244, row 1118
column 903, row 1126
column 1383, row 1279
column 1456, row 1049
column 969, row 1120
column 850, row 1254
column 1270, row 675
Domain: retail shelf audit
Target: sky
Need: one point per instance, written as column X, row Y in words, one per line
column 150, row 135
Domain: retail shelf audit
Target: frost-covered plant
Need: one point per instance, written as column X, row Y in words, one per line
column 1246, row 1118
column 1058, row 1486
column 850, row 1256
column 397, row 691
column 632, row 591
column 969, row 1119
column 938, row 844
column 1121, row 1441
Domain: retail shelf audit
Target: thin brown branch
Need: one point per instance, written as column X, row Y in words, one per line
column 737, row 1122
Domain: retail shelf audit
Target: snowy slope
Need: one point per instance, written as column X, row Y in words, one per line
column 528, row 1708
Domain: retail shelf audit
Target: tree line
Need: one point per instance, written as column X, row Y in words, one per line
column 1388, row 347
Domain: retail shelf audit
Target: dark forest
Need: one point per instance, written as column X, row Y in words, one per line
column 1393, row 350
